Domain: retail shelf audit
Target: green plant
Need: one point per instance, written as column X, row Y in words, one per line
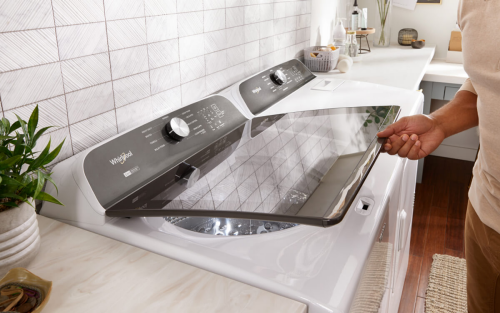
column 22, row 170
column 378, row 114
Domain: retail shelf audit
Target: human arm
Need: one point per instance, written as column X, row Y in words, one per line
column 417, row 136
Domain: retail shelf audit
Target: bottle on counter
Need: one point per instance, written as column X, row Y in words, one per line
column 351, row 44
column 339, row 36
column 355, row 17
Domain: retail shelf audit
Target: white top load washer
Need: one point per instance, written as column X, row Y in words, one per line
column 296, row 201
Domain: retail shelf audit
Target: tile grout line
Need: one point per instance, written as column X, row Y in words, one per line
column 62, row 77
column 110, row 68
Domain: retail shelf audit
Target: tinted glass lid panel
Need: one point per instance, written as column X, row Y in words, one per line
column 157, row 151
column 303, row 167
column 268, row 87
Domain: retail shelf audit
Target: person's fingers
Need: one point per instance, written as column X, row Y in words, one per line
column 394, row 128
column 387, row 145
column 398, row 143
column 413, row 154
column 403, row 152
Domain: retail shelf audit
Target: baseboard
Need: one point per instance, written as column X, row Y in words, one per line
column 454, row 152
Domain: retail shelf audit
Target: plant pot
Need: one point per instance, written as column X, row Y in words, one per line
column 19, row 237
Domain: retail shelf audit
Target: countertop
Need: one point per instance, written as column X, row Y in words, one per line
column 394, row 66
column 92, row 273
column 441, row 72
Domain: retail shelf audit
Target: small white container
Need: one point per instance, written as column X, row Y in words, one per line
column 324, row 61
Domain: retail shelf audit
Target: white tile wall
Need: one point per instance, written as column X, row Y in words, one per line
column 97, row 67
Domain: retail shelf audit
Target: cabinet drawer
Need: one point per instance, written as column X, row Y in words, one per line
column 449, row 92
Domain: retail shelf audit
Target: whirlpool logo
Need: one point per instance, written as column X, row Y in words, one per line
column 121, row 158
column 257, row 90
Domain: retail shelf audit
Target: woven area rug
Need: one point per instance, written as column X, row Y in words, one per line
column 447, row 290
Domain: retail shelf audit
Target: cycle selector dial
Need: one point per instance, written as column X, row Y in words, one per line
column 278, row 77
column 177, row 129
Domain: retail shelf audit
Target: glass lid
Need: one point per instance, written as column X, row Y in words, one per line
column 303, row 167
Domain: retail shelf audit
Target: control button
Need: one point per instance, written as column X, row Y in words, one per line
column 278, row 77
column 190, row 176
column 177, row 129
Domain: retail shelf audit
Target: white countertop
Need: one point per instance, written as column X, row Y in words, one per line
column 402, row 67
column 440, row 71
column 394, row 66
column 92, row 273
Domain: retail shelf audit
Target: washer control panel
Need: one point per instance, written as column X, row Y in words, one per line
column 169, row 153
column 268, row 87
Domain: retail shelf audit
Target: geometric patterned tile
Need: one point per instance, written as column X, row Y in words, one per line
column 27, row 48
column 234, row 37
column 215, row 41
column 51, row 112
column 131, row 89
column 163, row 53
column 252, row 14
column 216, row 61
column 81, row 40
column 266, row 29
column 193, row 91
column 129, row 61
column 235, row 3
column 25, row 14
column 93, row 130
column 89, row 102
column 164, row 78
column 166, row 101
column 192, row 69
column 86, row 71
column 214, row 20
column 214, row 4
column 189, row 5
column 291, row 23
column 291, row 9
column 192, row 46
column 134, row 114
column 234, row 17
column 279, row 10
column 70, row 12
column 190, row 23
column 217, row 81
column 161, row 27
column 160, row 7
column 126, row 33
column 122, row 9
column 235, row 55
column 252, row 32
column 266, row 11
column 29, row 85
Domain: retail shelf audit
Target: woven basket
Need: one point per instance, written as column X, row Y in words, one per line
column 325, row 61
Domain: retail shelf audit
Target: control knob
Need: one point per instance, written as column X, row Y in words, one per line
column 177, row 129
column 278, row 77
column 189, row 175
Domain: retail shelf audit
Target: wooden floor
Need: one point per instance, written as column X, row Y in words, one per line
column 438, row 224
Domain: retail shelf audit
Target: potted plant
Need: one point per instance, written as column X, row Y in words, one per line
column 23, row 175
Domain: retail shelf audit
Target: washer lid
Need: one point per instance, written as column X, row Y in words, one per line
column 303, row 167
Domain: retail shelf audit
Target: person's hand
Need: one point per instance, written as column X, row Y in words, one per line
column 413, row 137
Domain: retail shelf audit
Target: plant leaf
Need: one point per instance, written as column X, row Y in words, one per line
column 18, row 145
column 33, row 122
column 14, row 126
column 11, row 196
column 53, row 154
column 46, row 197
column 11, row 204
column 39, row 133
column 39, row 161
column 9, row 162
column 39, row 183
column 377, row 119
column 10, row 181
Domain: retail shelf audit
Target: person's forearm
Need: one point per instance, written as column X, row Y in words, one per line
column 458, row 115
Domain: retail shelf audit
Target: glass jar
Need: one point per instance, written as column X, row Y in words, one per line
column 351, row 44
